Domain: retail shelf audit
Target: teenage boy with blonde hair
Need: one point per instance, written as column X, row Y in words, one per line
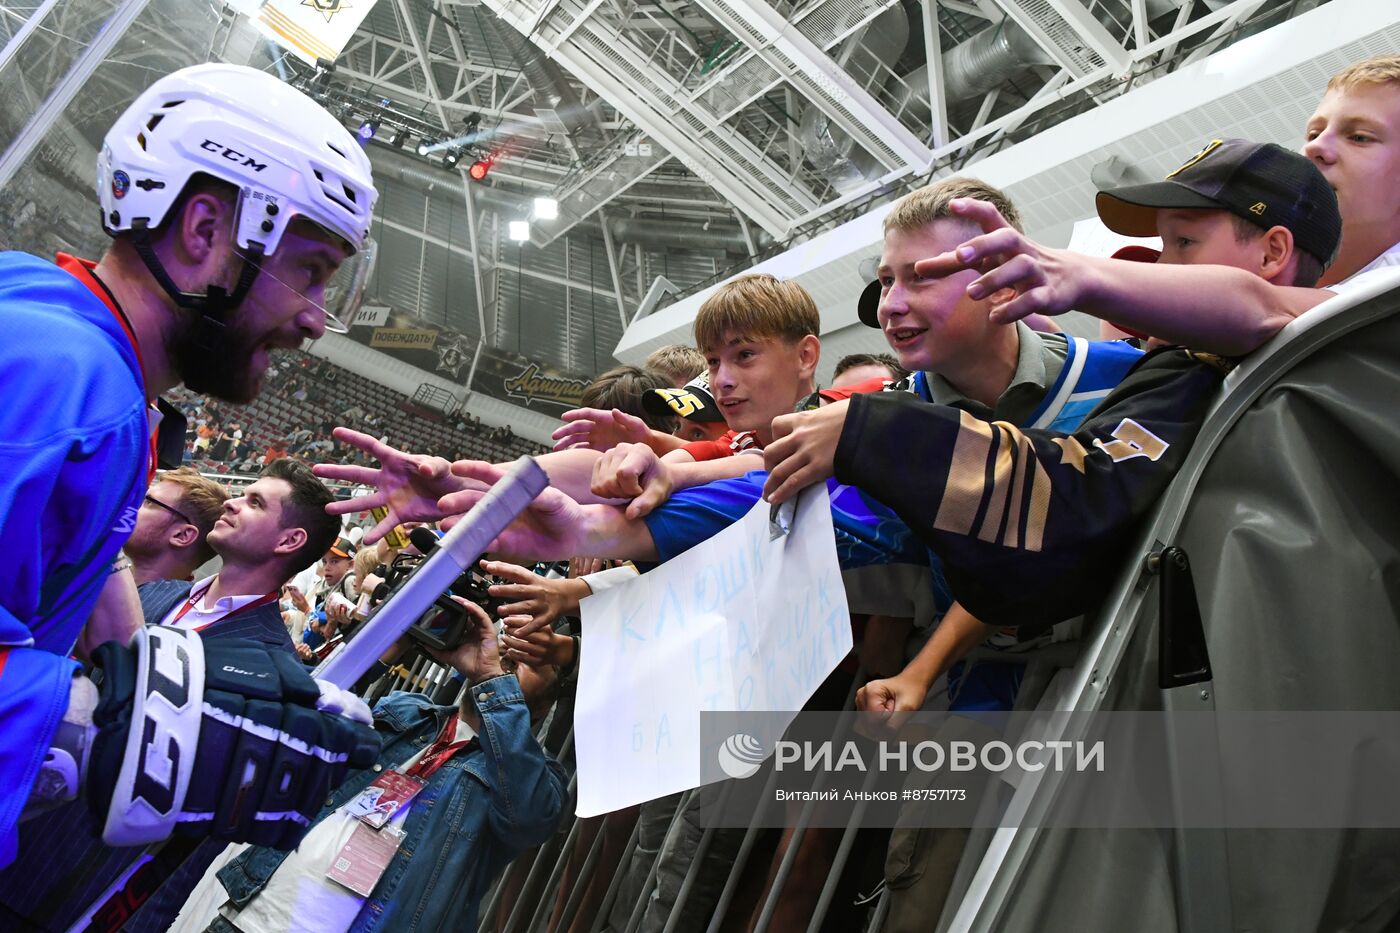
column 758, row 335
column 1354, row 139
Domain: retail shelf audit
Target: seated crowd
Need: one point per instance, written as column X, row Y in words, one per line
column 303, row 398
column 1027, row 458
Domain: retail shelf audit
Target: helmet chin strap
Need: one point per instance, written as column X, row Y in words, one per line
column 214, row 305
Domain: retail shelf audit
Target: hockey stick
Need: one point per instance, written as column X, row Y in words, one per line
column 454, row 554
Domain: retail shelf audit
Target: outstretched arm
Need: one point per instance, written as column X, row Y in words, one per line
column 1217, row 309
column 633, row 474
column 1025, row 520
column 555, row 526
column 956, row 635
column 603, row 429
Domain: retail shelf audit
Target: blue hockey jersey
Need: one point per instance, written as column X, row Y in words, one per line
column 73, row 457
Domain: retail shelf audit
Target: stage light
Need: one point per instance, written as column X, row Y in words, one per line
column 450, row 158
column 367, row 130
column 424, row 146
column 399, row 138
column 479, row 169
column 520, row 230
column 546, row 209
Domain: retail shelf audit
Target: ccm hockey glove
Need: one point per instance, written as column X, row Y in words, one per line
column 225, row 738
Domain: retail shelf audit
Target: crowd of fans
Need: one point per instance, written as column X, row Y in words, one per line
column 1011, row 464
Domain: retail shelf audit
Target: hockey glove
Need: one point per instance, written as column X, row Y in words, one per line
column 224, row 738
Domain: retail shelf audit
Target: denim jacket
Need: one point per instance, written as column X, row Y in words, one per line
column 478, row 811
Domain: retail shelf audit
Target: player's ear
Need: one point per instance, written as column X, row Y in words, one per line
column 201, row 226
column 1276, row 252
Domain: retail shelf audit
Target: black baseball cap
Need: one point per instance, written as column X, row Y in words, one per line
column 692, row 401
column 343, row 547
column 1264, row 183
column 869, row 305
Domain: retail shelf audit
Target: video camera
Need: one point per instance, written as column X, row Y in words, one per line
column 445, row 624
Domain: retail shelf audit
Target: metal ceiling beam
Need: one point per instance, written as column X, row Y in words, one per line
column 938, row 103
column 735, row 64
column 408, row 26
column 611, row 64
column 823, row 82
column 1041, row 19
column 1141, row 35
column 528, row 119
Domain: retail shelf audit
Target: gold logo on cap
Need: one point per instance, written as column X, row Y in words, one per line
column 1210, row 147
column 1258, row 207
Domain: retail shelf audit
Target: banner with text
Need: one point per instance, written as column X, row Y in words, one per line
column 499, row 373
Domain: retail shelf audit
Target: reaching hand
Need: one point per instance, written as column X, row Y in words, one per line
column 538, row 600
column 633, row 471
column 537, row 647
column 1020, row 276
column 803, row 451
column 600, row 429
column 552, row 526
column 409, row 485
column 583, row 566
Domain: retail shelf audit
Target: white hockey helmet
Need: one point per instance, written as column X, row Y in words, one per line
column 288, row 157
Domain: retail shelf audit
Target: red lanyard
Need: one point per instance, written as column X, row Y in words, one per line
column 195, row 597
column 81, row 269
column 439, row 752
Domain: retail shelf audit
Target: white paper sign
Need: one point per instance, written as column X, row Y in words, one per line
column 738, row 622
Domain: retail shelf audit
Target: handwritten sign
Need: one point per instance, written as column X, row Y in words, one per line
column 738, row 622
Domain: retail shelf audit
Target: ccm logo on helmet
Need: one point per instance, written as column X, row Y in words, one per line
column 233, row 155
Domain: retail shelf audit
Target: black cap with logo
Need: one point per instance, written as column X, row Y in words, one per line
column 693, row 401
column 1264, row 183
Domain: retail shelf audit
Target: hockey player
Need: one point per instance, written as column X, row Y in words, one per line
column 232, row 200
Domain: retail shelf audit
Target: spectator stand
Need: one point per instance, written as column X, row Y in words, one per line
column 304, row 397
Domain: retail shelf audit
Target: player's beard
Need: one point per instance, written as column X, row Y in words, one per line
column 225, row 369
